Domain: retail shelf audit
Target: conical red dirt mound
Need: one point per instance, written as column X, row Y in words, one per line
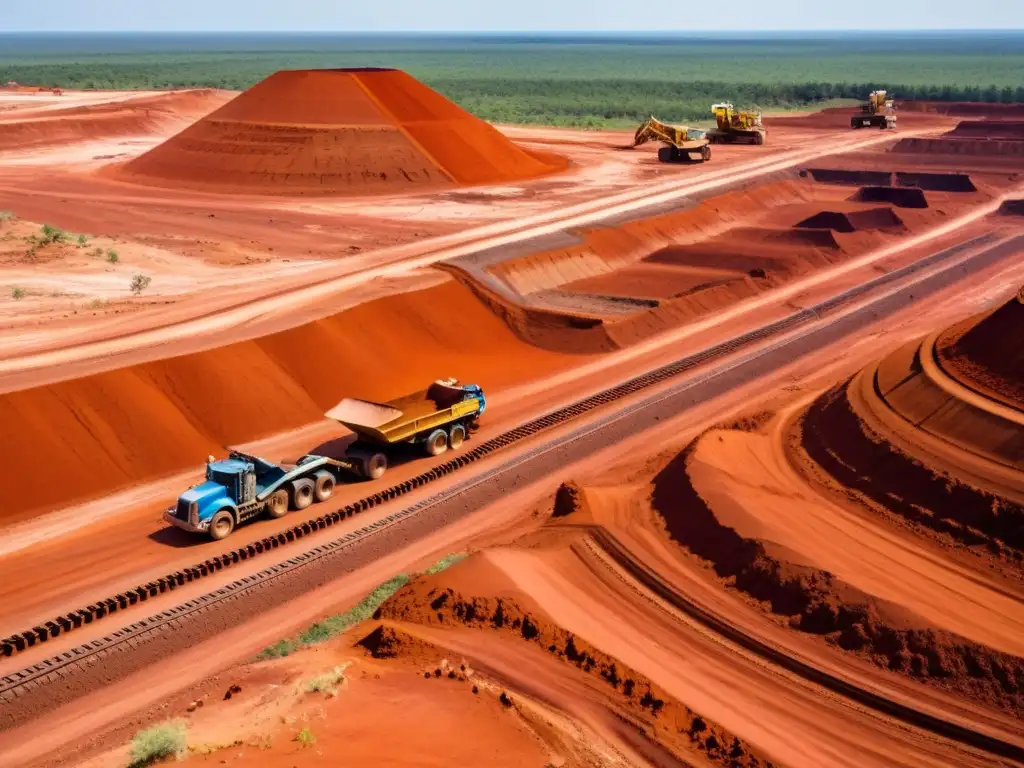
column 342, row 131
column 990, row 352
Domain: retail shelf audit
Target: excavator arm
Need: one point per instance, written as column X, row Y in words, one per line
column 653, row 129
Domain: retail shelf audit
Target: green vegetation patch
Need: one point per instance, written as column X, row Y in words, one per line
column 158, row 742
column 335, row 625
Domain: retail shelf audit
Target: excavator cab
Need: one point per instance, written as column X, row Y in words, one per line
column 735, row 126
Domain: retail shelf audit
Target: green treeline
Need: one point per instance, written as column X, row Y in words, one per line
column 578, row 81
column 583, row 102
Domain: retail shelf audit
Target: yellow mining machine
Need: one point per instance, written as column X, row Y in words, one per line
column 682, row 144
column 737, row 125
column 877, row 113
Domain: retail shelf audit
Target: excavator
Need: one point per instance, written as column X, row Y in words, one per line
column 877, row 113
column 737, row 125
column 682, row 144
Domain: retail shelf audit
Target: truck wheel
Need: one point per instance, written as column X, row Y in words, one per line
column 277, row 504
column 375, row 466
column 222, row 525
column 705, row 154
column 302, row 493
column 324, row 487
column 456, row 436
column 437, row 442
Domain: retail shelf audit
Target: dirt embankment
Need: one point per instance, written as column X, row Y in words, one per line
column 604, row 250
column 814, row 601
column 663, row 720
column 34, row 129
column 989, row 352
column 964, row 108
column 977, row 142
column 127, row 426
column 837, row 440
column 342, row 131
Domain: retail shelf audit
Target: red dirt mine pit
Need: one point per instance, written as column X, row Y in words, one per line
column 900, row 197
column 848, row 177
column 344, row 131
column 854, row 221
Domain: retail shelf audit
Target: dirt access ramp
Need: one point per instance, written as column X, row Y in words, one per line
column 339, row 131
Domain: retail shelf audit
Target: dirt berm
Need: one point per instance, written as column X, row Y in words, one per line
column 123, row 427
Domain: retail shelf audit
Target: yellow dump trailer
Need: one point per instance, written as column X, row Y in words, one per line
column 438, row 418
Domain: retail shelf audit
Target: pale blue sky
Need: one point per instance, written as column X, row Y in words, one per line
column 505, row 15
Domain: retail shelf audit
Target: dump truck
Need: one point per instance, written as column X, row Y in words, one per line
column 436, row 419
column 242, row 487
column 736, row 126
column 682, row 144
column 877, row 113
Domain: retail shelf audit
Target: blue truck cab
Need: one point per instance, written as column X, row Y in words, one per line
column 240, row 487
column 474, row 391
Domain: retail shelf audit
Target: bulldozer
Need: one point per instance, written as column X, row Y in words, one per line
column 877, row 113
column 682, row 145
column 736, row 126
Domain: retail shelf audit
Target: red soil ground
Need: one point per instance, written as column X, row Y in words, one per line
column 125, row 426
column 353, row 131
column 594, row 662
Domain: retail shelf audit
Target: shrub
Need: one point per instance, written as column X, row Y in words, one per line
column 6, row 216
column 328, row 682
column 17, row 293
column 305, row 738
column 140, row 283
column 52, row 235
column 83, row 240
column 112, row 256
column 158, row 743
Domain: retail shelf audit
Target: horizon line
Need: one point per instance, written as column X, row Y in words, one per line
column 674, row 32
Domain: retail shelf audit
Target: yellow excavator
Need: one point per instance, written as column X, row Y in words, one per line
column 736, row 125
column 877, row 113
column 682, row 145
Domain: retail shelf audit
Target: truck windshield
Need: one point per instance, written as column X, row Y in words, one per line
column 223, row 478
